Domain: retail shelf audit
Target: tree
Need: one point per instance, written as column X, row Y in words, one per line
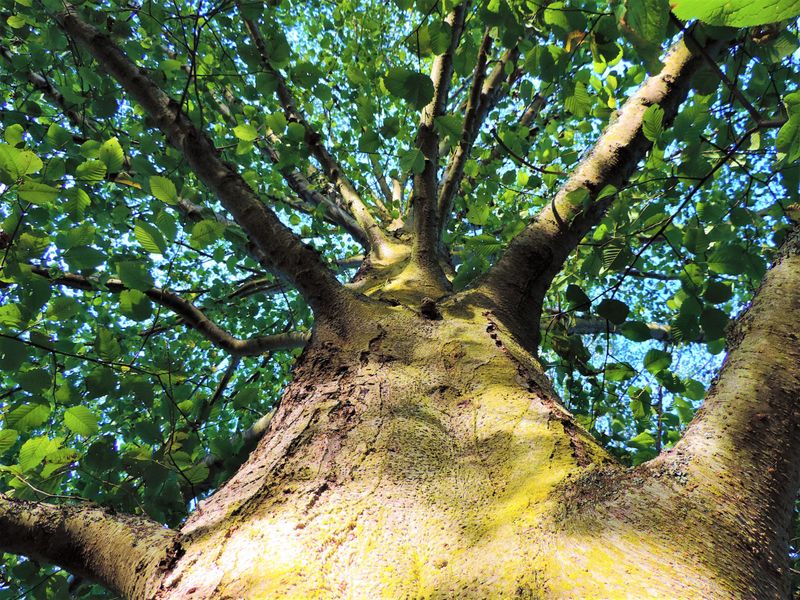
column 506, row 235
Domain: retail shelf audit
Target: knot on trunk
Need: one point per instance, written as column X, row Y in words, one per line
column 428, row 310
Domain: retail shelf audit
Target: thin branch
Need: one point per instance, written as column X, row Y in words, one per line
column 190, row 314
column 308, row 200
column 386, row 191
column 205, row 408
column 218, row 465
column 598, row 326
column 41, row 83
column 282, row 248
column 484, row 95
column 352, row 200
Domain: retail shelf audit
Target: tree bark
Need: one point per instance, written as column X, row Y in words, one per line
column 427, row 456
column 127, row 554
column 431, row 458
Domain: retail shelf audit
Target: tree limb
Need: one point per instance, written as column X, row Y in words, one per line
column 127, row 554
column 308, row 199
column 285, row 252
column 424, row 250
column 742, row 450
column 599, row 326
column 191, row 315
column 352, row 200
column 483, row 97
column 41, row 83
column 519, row 280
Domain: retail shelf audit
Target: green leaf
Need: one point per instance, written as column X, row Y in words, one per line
column 653, row 122
column 196, row 473
column 33, row 451
column 135, row 305
column 713, row 321
column 112, row 155
column 390, row 127
column 440, row 36
column 27, row 416
column 17, row 163
column 276, row 122
column 91, row 171
column 81, row 420
column 577, row 298
column 295, row 132
column 84, row 257
column 694, row 390
column 636, row 331
column 245, row 132
column 205, row 232
column 58, row 136
column 684, row 409
column 134, row 275
column 449, row 128
column 717, row 292
column 613, row 310
column 163, row 189
column 412, row 160
column 478, row 214
column 13, row 134
column 787, row 141
column 106, row 345
column 414, row 87
column 11, row 316
column 642, row 441
column 37, row 193
column 619, row 371
column 8, row 438
column 16, row 21
column 656, row 361
column 736, row 13
column 369, row 141
column 641, row 402
column 728, row 259
column 579, row 102
column 644, row 23
column 149, row 237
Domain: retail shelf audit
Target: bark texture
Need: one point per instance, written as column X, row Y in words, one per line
column 429, row 458
column 127, row 554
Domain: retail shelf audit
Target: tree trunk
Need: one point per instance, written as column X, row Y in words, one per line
column 422, row 453
column 428, row 456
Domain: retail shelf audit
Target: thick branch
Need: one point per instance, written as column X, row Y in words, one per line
column 742, row 451
column 285, row 252
column 521, row 277
column 657, row 331
column 125, row 553
column 424, row 198
column 352, row 200
column 484, row 96
column 191, row 315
